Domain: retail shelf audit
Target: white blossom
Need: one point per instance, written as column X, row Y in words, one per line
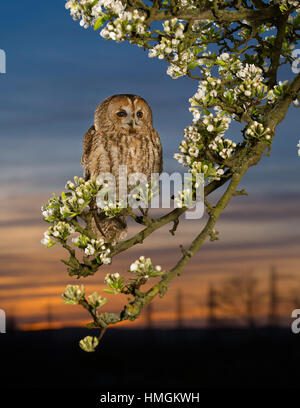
column 89, row 250
column 133, row 267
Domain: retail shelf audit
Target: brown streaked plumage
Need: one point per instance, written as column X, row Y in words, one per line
column 122, row 134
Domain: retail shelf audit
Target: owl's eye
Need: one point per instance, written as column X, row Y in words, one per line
column 139, row 114
column 121, row 114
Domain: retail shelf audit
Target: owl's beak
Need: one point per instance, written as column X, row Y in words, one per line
column 132, row 126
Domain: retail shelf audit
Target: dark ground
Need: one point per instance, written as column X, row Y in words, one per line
column 51, row 363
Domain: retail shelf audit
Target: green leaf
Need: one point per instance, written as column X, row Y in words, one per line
column 50, row 244
column 196, row 51
column 90, row 325
column 112, row 292
column 100, row 22
column 154, row 274
column 66, row 215
column 84, row 240
column 192, row 65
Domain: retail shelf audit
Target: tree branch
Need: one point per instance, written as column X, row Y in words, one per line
column 223, row 16
column 165, row 219
column 277, row 49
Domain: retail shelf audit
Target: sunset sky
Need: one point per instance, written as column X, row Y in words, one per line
column 57, row 73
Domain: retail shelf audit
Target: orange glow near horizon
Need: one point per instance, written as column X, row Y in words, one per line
column 252, row 240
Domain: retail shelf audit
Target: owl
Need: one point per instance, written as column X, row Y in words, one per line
column 122, row 134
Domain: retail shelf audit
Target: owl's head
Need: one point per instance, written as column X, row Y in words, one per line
column 125, row 113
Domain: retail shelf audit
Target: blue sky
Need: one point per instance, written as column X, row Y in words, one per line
column 57, row 73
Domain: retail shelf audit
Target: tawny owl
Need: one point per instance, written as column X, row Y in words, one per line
column 122, row 134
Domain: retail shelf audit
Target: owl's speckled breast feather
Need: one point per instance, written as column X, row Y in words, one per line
column 139, row 153
column 123, row 135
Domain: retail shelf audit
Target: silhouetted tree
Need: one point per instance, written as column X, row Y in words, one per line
column 240, row 297
column 149, row 315
column 212, row 305
column 179, row 308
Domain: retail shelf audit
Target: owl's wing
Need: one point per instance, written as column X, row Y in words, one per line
column 87, row 146
column 158, row 162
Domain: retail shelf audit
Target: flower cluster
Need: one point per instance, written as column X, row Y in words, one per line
column 181, row 63
column 215, row 124
column 144, row 268
column 188, row 44
column 257, row 130
column 69, row 212
column 51, row 210
column 121, row 24
column 252, row 86
column 114, row 282
column 79, row 196
column 277, row 91
column 206, row 134
column 286, row 5
column 73, row 202
column 208, row 91
column 175, row 48
column 224, row 147
column 95, row 247
column 110, row 206
column 242, row 83
column 126, row 25
column 170, row 41
column 239, row 89
column 249, row 88
column 199, row 172
column 89, row 11
column 73, row 294
column 47, row 240
column 210, row 171
column 89, row 344
column 185, row 198
column 96, row 300
column 58, row 231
